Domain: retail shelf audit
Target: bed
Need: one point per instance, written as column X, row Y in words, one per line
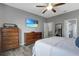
column 55, row 46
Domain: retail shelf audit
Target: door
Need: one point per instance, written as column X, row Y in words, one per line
column 48, row 29
column 71, row 28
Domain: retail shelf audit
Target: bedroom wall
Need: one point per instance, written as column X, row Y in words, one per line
column 12, row 15
column 65, row 16
column 1, row 15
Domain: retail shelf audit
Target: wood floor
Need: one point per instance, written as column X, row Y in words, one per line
column 22, row 51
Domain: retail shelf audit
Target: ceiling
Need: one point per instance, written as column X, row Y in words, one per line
column 31, row 7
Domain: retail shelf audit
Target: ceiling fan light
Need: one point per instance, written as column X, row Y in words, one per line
column 49, row 7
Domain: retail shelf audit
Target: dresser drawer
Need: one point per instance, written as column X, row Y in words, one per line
column 10, row 30
column 29, row 42
column 30, row 38
column 28, row 34
column 10, row 37
column 9, row 42
column 10, row 34
column 6, row 47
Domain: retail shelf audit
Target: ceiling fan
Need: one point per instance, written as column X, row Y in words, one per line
column 50, row 6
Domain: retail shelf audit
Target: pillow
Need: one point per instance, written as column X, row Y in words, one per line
column 77, row 42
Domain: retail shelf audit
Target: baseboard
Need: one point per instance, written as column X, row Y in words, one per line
column 22, row 45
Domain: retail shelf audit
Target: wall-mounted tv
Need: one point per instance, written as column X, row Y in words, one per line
column 31, row 22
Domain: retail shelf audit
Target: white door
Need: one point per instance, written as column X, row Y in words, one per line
column 51, row 29
column 71, row 28
column 48, row 29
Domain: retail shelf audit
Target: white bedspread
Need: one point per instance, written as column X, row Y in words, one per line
column 55, row 46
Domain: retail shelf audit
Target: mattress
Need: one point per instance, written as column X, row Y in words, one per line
column 55, row 46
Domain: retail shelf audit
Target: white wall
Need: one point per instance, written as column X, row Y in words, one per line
column 12, row 15
column 61, row 18
column 1, row 15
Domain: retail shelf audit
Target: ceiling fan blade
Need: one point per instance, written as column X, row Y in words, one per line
column 44, row 11
column 40, row 6
column 54, row 10
column 58, row 4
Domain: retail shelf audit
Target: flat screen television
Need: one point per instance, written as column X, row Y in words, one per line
column 31, row 23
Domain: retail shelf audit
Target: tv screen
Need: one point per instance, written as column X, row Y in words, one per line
column 31, row 22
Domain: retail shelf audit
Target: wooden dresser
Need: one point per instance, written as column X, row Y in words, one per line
column 32, row 37
column 9, row 38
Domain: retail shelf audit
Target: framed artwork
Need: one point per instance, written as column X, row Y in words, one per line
column 58, row 29
column 31, row 23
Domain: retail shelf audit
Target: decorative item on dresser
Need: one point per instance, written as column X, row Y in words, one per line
column 31, row 37
column 9, row 37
